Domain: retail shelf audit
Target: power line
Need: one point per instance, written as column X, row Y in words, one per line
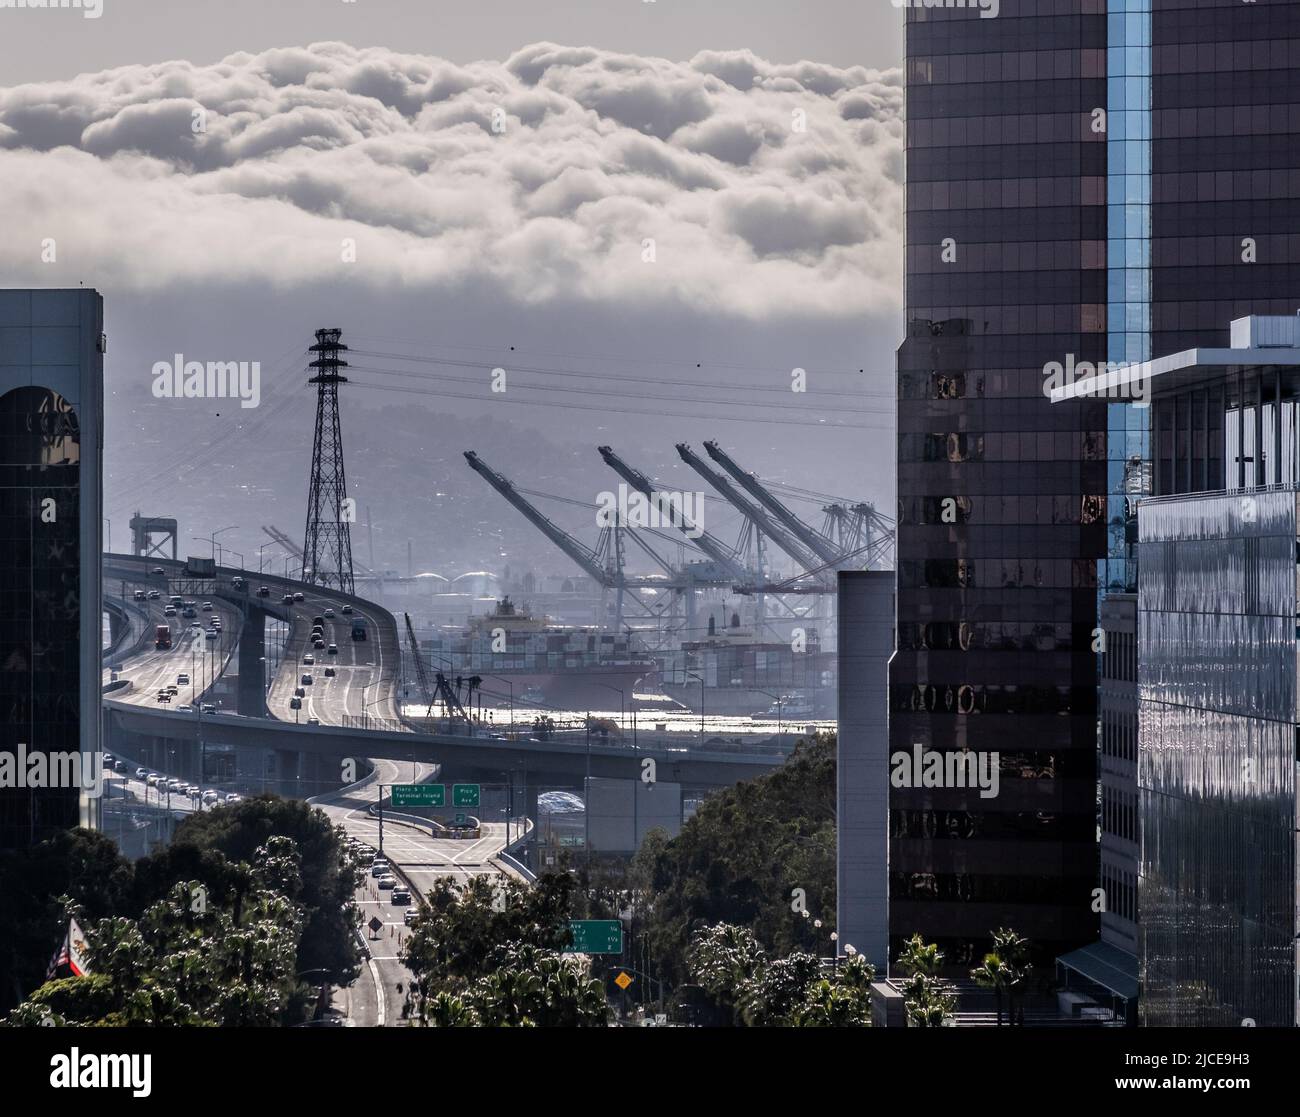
column 747, row 386
column 656, row 412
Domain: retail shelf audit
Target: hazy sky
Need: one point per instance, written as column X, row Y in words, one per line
column 38, row 45
column 649, row 214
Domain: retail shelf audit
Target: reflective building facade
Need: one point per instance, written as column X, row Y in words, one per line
column 1217, row 756
column 1096, row 180
column 51, row 450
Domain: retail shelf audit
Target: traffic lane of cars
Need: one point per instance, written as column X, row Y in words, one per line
column 192, row 653
column 354, row 667
column 157, row 788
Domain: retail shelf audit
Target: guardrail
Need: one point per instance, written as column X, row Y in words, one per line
column 507, row 855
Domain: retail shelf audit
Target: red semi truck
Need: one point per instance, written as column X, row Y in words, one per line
column 162, row 637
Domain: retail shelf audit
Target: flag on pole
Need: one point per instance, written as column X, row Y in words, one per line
column 71, row 954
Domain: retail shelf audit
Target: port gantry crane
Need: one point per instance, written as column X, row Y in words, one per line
column 865, row 537
column 711, row 546
column 440, row 688
column 810, row 562
column 603, row 564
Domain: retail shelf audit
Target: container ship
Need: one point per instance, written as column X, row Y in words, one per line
column 745, row 675
column 548, row 665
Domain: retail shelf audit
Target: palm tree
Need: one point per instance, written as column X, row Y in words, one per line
column 925, row 993
column 1013, row 949
column 994, row 974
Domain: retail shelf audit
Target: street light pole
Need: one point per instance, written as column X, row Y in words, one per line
column 693, row 675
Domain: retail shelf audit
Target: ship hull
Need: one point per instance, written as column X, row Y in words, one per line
column 594, row 688
column 737, row 701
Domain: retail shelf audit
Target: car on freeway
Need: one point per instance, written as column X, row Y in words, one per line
column 140, row 773
column 207, row 606
column 209, row 708
column 318, row 644
column 330, row 672
column 347, row 609
column 299, row 692
column 387, row 881
column 318, row 622
column 169, row 611
column 152, row 779
column 401, row 895
column 263, row 591
column 313, row 721
column 155, row 595
column 210, row 797
column 118, row 766
column 410, row 915
column 231, row 797
column 185, row 708
column 211, row 634
column 333, row 649
column 298, row 596
column 295, row 703
column 287, row 599
column 379, row 868
column 157, row 570
column 329, row 613
column 309, row 660
column 139, row 595
column 183, row 679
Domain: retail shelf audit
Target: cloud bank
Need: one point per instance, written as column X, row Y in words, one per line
column 766, row 189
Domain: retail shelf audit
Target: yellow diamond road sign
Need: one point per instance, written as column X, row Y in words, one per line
column 622, row 981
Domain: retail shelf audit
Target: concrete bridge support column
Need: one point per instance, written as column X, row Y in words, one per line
column 116, row 623
column 286, row 771
column 252, row 665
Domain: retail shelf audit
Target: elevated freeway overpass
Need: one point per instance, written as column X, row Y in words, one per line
column 357, row 712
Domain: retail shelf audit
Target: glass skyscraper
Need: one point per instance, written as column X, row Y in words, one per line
column 1087, row 180
column 51, row 450
column 1002, row 495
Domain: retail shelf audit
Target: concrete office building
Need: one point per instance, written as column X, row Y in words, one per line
column 866, row 623
column 51, row 458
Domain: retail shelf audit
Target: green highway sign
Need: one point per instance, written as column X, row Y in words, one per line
column 464, row 795
column 419, row 794
column 596, row 936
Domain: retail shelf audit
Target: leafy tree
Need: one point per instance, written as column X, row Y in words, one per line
column 755, row 991
column 488, row 953
column 187, row 961
column 328, row 876
column 842, row 1003
column 740, row 857
column 35, row 882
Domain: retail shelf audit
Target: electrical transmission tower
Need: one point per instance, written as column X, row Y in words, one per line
column 327, row 542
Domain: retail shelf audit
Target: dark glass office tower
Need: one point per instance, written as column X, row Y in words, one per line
column 1002, row 495
column 1226, row 166
column 51, row 405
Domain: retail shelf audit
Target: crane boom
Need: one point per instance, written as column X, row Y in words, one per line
column 422, row 676
column 778, row 534
column 556, row 534
column 707, row 543
column 823, row 548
